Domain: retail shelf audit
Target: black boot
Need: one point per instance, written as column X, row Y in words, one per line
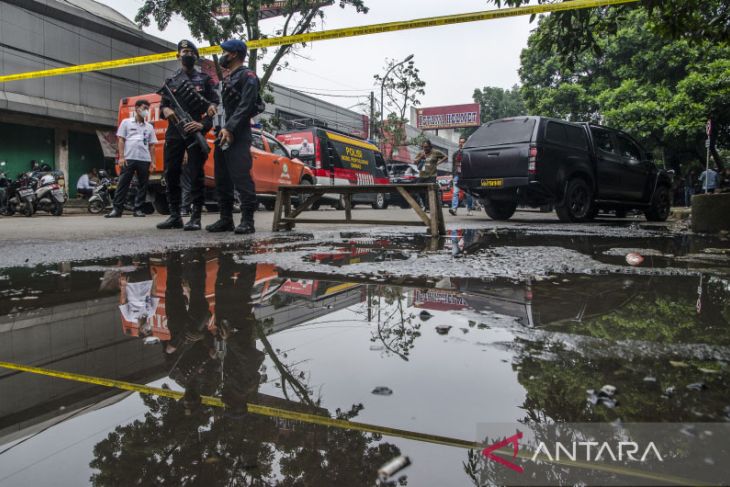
column 194, row 223
column 224, row 224
column 173, row 221
column 246, row 226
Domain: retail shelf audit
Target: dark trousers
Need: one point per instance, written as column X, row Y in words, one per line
column 184, row 314
column 142, row 170
column 233, row 172
column 85, row 192
column 175, row 150
column 424, row 194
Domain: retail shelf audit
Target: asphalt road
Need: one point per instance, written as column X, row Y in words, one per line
column 47, row 239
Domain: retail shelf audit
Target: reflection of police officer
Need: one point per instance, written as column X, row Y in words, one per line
column 235, row 320
column 241, row 101
column 200, row 103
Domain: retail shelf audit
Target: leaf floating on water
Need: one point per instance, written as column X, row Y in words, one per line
column 678, row 363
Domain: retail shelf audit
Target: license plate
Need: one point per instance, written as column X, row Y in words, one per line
column 492, row 183
column 25, row 192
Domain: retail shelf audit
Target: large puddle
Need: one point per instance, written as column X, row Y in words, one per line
column 429, row 336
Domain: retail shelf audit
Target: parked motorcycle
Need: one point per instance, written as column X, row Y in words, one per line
column 101, row 198
column 21, row 196
column 49, row 196
column 4, row 188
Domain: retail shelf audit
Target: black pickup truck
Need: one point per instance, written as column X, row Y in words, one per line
column 579, row 168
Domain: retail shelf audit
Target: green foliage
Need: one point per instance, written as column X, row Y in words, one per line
column 573, row 33
column 300, row 16
column 495, row 103
column 661, row 91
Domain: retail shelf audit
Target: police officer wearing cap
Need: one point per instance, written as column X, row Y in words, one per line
column 241, row 102
column 201, row 104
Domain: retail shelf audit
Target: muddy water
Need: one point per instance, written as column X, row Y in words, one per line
column 428, row 336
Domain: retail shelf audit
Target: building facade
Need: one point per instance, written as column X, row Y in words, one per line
column 55, row 120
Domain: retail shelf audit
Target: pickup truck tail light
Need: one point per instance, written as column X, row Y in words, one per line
column 317, row 153
column 532, row 161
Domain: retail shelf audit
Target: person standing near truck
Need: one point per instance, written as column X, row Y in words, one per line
column 135, row 140
column 241, row 102
column 428, row 162
column 200, row 103
column 456, row 174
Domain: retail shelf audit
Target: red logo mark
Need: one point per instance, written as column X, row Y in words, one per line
column 514, row 439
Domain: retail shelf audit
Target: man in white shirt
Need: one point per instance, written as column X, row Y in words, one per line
column 135, row 141
column 85, row 186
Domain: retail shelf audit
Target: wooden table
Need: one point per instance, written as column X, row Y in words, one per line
column 285, row 216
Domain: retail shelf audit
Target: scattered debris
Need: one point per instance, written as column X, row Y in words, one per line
column 393, row 467
column 697, row 386
column 604, row 396
column 151, row 340
column 634, row 259
column 443, row 329
column 425, row 315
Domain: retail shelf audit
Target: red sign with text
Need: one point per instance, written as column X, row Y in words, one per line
column 449, row 117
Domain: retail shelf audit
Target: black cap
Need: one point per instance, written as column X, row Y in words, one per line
column 186, row 44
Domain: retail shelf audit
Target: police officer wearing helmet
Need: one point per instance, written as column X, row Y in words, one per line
column 241, row 102
column 195, row 91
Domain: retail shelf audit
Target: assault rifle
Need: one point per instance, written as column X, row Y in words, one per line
column 183, row 118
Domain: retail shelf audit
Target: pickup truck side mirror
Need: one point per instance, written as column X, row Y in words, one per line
column 294, row 153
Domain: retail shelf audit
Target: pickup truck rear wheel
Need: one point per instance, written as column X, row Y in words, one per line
column 577, row 205
column 660, row 206
column 500, row 210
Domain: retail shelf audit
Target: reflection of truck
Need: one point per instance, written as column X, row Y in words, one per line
column 273, row 164
column 579, row 167
column 339, row 158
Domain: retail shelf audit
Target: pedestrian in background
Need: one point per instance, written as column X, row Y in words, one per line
column 135, row 140
column 428, row 162
column 709, row 180
column 85, row 185
column 456, row 172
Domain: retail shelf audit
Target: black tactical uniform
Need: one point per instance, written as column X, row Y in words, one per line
column 196, row 92
column 241, row 101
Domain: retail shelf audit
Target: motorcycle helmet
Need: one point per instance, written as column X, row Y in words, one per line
column 47, row 180
column 103, row 174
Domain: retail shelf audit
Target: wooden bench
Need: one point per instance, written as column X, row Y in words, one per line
column 285, row 216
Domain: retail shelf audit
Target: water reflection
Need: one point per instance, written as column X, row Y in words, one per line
column 211, row 344
column 454, row 351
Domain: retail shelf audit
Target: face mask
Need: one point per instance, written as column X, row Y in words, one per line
column 188, row 60
column 225, row 61
column 144, row 113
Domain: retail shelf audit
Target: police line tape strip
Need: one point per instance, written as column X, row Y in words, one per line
column 344, row 424
column 326, row 35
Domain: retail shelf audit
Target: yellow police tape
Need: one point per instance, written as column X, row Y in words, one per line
column 344, row 424
column 326, row 35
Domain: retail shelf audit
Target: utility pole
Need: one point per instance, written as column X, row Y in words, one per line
column 372, row 116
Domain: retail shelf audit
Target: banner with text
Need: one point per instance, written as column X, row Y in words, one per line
column 449, row 117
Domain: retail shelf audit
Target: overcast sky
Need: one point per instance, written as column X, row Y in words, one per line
column 453, row 60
